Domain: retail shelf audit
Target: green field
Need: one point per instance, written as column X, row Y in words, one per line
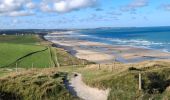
column 23, row 51
column 31, row 51
column 26, row 39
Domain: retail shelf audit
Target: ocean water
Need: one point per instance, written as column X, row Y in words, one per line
column 147, row 37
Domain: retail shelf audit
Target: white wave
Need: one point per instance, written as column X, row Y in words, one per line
column 165, row 50
column 136, row 42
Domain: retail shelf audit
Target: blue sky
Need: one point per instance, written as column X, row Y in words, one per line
column 57, row 14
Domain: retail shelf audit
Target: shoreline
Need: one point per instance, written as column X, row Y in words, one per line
column 102, row 52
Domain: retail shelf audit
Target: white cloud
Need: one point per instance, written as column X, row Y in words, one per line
column 135, row 5
column 20, row 13
column 16, row 7
column 30, row 5
column 27, row 7
column 63, row 6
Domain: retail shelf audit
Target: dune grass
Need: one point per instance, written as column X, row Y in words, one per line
column 65, row 59
column 44, row 84
column 123, row 80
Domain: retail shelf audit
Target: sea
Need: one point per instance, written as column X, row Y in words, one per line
column 157, row 38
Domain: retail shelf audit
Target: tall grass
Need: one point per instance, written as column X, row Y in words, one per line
column 37, row 84
column 123, row 82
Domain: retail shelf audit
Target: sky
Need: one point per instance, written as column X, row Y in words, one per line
column 79, row 14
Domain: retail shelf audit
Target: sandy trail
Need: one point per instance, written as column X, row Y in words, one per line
column 85, row 92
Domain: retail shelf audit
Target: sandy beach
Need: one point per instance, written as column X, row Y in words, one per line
column 104, row 53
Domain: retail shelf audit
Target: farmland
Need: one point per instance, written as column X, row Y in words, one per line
column 18, row 49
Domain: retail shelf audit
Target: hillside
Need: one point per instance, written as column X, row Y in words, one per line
column 122, row 79
column 32, row 51
column 37, row 84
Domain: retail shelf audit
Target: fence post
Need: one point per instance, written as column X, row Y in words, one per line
column 140, row 81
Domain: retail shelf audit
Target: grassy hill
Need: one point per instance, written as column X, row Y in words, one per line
column 18, row 49
column 9, row 53
column 44, row 81
column 123, row 79
column 37, row 84
column 31, row 50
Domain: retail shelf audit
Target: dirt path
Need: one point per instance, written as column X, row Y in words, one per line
column 85, row 92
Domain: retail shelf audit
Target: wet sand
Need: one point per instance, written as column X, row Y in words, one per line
column 104, row 53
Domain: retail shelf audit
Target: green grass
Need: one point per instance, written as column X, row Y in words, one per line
column 14, row 47
column 9, row 53
column 38, row 60
column 26, row 39
column 65, row 59
column 41, row 84
column 35, row 84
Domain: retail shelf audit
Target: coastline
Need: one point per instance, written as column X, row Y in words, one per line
column 104, row 53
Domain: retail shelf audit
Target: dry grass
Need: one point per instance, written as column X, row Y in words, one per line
column 36, row 84
column 123, row 81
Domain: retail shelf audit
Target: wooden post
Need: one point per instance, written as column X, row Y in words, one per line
column 140, row 81
column 99, row 67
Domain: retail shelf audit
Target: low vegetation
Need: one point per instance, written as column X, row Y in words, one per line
column 65, row 59
column 32, row 51
column 37, row 84
column 55, row 64
column 19, row 78
column 123, row 79
column 19, row 39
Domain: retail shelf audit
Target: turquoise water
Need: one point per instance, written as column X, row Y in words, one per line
column 147, row 37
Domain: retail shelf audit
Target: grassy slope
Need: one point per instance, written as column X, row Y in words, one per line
column 38, row 60
column 124, row 83
column 11, row 52
column 46, row 84
column 34, row 84
column 65, row 59
column 15, row 47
